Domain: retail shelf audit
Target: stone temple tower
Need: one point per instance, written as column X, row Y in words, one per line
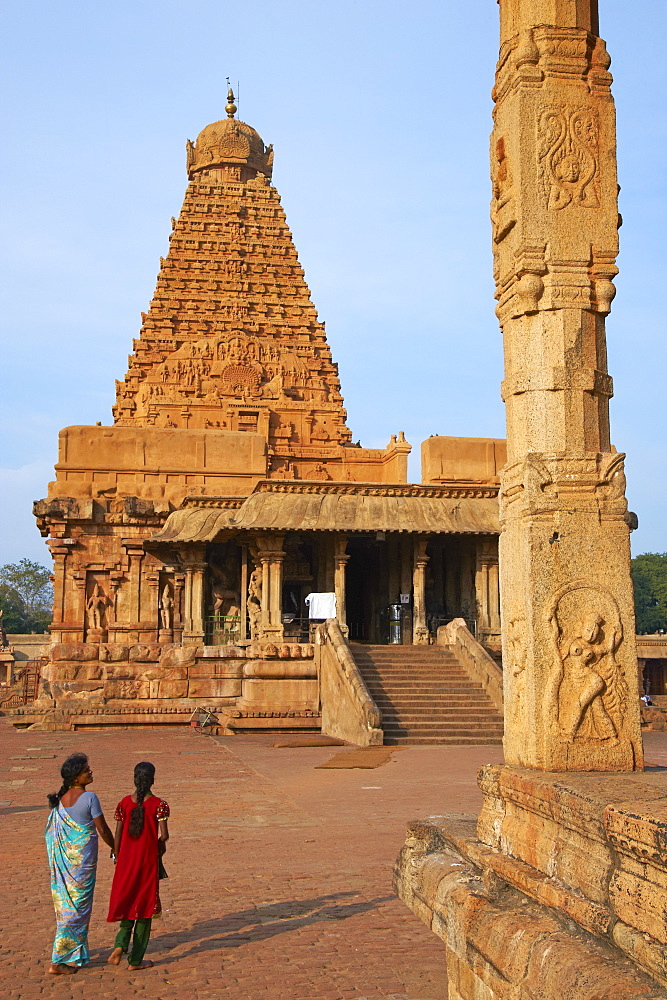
column 231, row 340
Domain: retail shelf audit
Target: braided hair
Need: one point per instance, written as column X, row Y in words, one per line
column 69, row 772
column 144, row 776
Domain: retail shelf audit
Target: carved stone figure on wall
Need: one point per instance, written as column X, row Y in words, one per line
column 167, row 607
column 319, row 472
column 255, row 601
column 96, row 607
column 588, row 691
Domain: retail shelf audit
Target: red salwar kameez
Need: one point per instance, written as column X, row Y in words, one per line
column 135, row 892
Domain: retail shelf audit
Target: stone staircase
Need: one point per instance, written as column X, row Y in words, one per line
column 425, row 696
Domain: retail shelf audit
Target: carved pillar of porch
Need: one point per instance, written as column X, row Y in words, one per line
column 419, row 627
column 494, row 597
column 276, row 592
column 244, row 593
column 195, row 568
column 271, row 556
column 59, row 554
column 340, row 562
column 264, row 558
column 179, row 612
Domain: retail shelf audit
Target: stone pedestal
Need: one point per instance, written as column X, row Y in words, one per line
column 96, row 635
column 557, row 891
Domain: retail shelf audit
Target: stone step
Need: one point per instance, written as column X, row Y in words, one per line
column 466, row 741
column 458, row 690
column 430, row 699
column 425, row 696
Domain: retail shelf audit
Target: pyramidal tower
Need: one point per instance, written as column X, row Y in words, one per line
column 231, row 340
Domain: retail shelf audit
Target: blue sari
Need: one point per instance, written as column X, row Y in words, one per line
column 72, row 851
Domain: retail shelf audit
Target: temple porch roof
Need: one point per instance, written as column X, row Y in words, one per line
column 344, row 507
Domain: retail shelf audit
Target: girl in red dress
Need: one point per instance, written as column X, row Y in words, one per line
column 140, row 841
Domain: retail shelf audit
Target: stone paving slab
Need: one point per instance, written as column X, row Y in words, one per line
column 280, row 873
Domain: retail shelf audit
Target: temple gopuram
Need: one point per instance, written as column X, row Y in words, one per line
column 187, row 536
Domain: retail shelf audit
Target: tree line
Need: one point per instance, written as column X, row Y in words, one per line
column 26, row 597
column 26, row 594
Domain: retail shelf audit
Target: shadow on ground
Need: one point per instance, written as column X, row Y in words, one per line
column 261, row 923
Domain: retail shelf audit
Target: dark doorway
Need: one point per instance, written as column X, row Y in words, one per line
column 365, row 588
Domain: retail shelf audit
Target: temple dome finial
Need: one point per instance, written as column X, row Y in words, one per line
column 229, row 142
column 230, row 107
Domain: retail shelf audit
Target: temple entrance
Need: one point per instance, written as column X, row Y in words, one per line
column 365, row 589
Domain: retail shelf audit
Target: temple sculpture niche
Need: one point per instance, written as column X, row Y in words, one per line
column 187, row 535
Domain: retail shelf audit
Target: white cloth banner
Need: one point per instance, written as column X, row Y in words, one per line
column 321, row 605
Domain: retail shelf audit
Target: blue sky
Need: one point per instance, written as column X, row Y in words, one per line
column 380, row 114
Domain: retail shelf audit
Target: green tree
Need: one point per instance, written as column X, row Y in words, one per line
column 649, row 576
column 26, row 596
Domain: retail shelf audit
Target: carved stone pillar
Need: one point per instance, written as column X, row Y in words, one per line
column 271, row 556
column 265, row 559
column 195, row 568
column 419, row 627
column 494, row 597
column 340, row 562
column 276, row 590
column 179, row 588
column 244, row 593
column 564, row 548
column 482, row 593
column 59, row 554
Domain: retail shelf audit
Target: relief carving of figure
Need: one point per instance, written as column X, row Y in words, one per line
column 167, row 607
column 96, row 607
column 588, row 693
column 255, row 601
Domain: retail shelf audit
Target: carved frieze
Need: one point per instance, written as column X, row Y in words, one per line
column 568, row 156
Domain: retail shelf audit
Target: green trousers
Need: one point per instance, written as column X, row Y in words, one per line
column 142, row 932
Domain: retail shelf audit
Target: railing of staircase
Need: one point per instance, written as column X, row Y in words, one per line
column 348, row 711
column 434, row 622
column 474, row 658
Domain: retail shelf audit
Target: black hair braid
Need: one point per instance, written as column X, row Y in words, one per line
column 144, row 776
column 70, row 770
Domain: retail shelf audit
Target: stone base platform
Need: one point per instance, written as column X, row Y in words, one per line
column 257, row 686
column 107, row 717
column 286, row 722
column 557, row 892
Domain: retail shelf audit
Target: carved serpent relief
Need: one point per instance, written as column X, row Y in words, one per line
column 568, row 156
column 587, row 693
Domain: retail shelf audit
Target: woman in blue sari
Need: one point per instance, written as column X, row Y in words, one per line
column 74, row 822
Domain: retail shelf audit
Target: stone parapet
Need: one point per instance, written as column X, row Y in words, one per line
column 557, row 892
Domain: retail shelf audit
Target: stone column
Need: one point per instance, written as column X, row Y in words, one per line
column 482, row 593
column 244, row 593
column 494, row 597
column 276, row 590
column 340, row 562
column 195, row 568
column 567, row 602
column 179, row 587
column 419, row 627
column 59, row 554
column 271, row 556
column 264, row 558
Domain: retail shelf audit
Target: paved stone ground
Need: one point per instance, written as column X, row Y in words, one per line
column 280, row 873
